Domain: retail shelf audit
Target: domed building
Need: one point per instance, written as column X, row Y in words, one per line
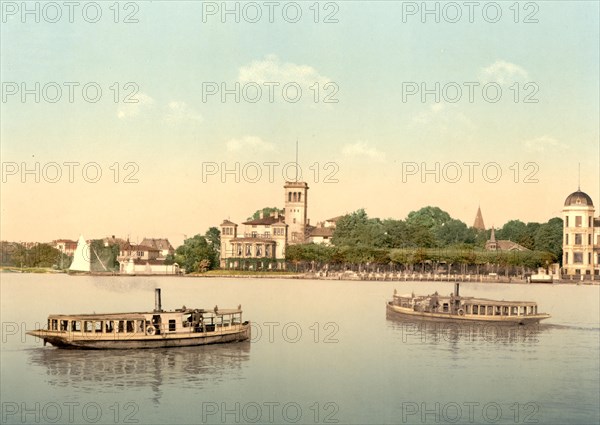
column 581, row 237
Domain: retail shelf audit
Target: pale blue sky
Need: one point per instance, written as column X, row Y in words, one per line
column 170, row 54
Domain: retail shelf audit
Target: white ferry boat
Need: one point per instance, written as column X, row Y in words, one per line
column 464, row 309
column 180, row 328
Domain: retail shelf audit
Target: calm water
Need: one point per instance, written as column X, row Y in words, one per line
column 322, row 352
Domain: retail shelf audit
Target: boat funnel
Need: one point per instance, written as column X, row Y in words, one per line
column 157, row 301
column 456, row 293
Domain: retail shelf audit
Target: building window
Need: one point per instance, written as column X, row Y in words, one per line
column 578, row 221
column 566, row 258
column 578, row 257
column 567, row 239
column 589, row 239
column 299, row 196
column 589, row 258
column 577, row 238
column 590, row 221
column 567, row 221
column 289, row 196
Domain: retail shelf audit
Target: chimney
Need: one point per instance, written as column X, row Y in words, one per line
column 157, row 301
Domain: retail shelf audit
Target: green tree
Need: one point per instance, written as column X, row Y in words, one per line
column 213, row 237
column 453, row 232
column 189, row 256
column 395, row 234
column 42, row 255
column 103, row 258
column 358, row 230
column 549, row 237
column 428, row 217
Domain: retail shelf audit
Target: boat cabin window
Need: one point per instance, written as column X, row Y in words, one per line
column 130, row 326
column 121, row 327
column 497, row 311
column 75, row 326
column 109, row 326
column 475, row 309
column 523, row 310
column 531, row 309
column 87, row 326
column 535, row 309
column 172, row 325
column 514, row 310
column 64, row 325
column 445, row 307
column 505, row 310
column 490, row 310
column 53, row 324
column 98, row 326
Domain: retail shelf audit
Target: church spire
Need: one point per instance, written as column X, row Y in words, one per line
column 478, row 224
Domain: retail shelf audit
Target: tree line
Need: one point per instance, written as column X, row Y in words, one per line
column 427, row 238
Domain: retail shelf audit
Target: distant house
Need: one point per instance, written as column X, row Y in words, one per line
column 322, row 233
column 502, row 245
column 145, row 259
column 163, row 245
column 114, row 241
column 137, row 252
column 66, row 246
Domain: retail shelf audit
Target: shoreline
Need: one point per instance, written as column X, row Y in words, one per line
column 340, row 276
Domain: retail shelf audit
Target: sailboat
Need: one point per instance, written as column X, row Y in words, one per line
column 81, row 258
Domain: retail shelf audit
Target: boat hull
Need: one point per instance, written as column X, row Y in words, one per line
column 447, row 317
column 134, row 341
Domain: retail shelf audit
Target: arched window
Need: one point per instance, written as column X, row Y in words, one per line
column 299, row 196
column 295, row 196
column 289, row 196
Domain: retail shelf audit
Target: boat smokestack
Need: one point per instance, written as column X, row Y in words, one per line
column 456, row 292
column 157, row 301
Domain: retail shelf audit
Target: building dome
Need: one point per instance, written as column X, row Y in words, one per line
column 579, row 198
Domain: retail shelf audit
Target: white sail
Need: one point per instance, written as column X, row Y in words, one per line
column 81, row 258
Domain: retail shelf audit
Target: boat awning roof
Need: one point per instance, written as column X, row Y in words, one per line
column 138, row 315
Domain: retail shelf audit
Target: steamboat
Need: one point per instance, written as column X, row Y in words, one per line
column 155, row 329
column 464, row 309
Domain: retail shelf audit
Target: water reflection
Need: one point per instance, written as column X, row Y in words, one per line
column 94, row 371
column 457, row 334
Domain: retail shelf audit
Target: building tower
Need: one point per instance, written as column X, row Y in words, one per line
column 478, row 224
column 296, row 203
column 228, row 234
column 578, row 235
column 492, row 245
